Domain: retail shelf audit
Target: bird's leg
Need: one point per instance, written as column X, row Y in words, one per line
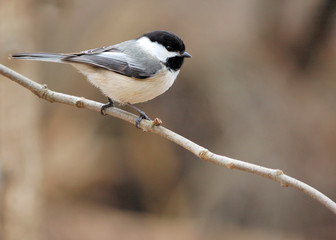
column 142, row 115
column 106, row 105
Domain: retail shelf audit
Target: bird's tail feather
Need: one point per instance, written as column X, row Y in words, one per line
column 46, row 57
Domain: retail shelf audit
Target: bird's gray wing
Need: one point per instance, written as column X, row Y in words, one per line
column 124, row 58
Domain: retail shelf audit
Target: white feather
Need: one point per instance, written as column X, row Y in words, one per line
column 156, row 49
column 124, row 89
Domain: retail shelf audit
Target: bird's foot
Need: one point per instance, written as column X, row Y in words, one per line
column 142, row 115
column 107, row 105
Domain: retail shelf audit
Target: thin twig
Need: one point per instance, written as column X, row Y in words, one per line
column 274, row 174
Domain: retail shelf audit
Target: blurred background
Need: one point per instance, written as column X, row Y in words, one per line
column 260, row 87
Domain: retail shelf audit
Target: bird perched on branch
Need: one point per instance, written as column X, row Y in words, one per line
column 130, row 72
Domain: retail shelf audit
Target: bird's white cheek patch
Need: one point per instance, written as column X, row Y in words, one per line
column 156, row 49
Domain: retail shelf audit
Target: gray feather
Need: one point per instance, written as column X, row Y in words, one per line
column 47, row 57
column 125, row 58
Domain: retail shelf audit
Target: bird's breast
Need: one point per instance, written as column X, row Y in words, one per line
column 125, row 89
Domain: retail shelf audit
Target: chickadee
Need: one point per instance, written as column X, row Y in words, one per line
column 130, row 72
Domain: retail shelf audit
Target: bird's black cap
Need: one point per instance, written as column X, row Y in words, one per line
column 167, row 39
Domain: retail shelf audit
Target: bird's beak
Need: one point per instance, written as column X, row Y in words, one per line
column 186, row 55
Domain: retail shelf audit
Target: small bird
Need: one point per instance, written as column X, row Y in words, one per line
column 130, row 72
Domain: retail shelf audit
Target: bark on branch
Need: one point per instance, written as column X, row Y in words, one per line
column 149, row 126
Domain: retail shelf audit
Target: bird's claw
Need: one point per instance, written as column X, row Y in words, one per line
column 106, row 105
column 141, row 116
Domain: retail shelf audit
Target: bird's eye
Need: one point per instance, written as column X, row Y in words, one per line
column 169, row 48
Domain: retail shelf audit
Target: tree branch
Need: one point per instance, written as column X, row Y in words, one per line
column 274, row 174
